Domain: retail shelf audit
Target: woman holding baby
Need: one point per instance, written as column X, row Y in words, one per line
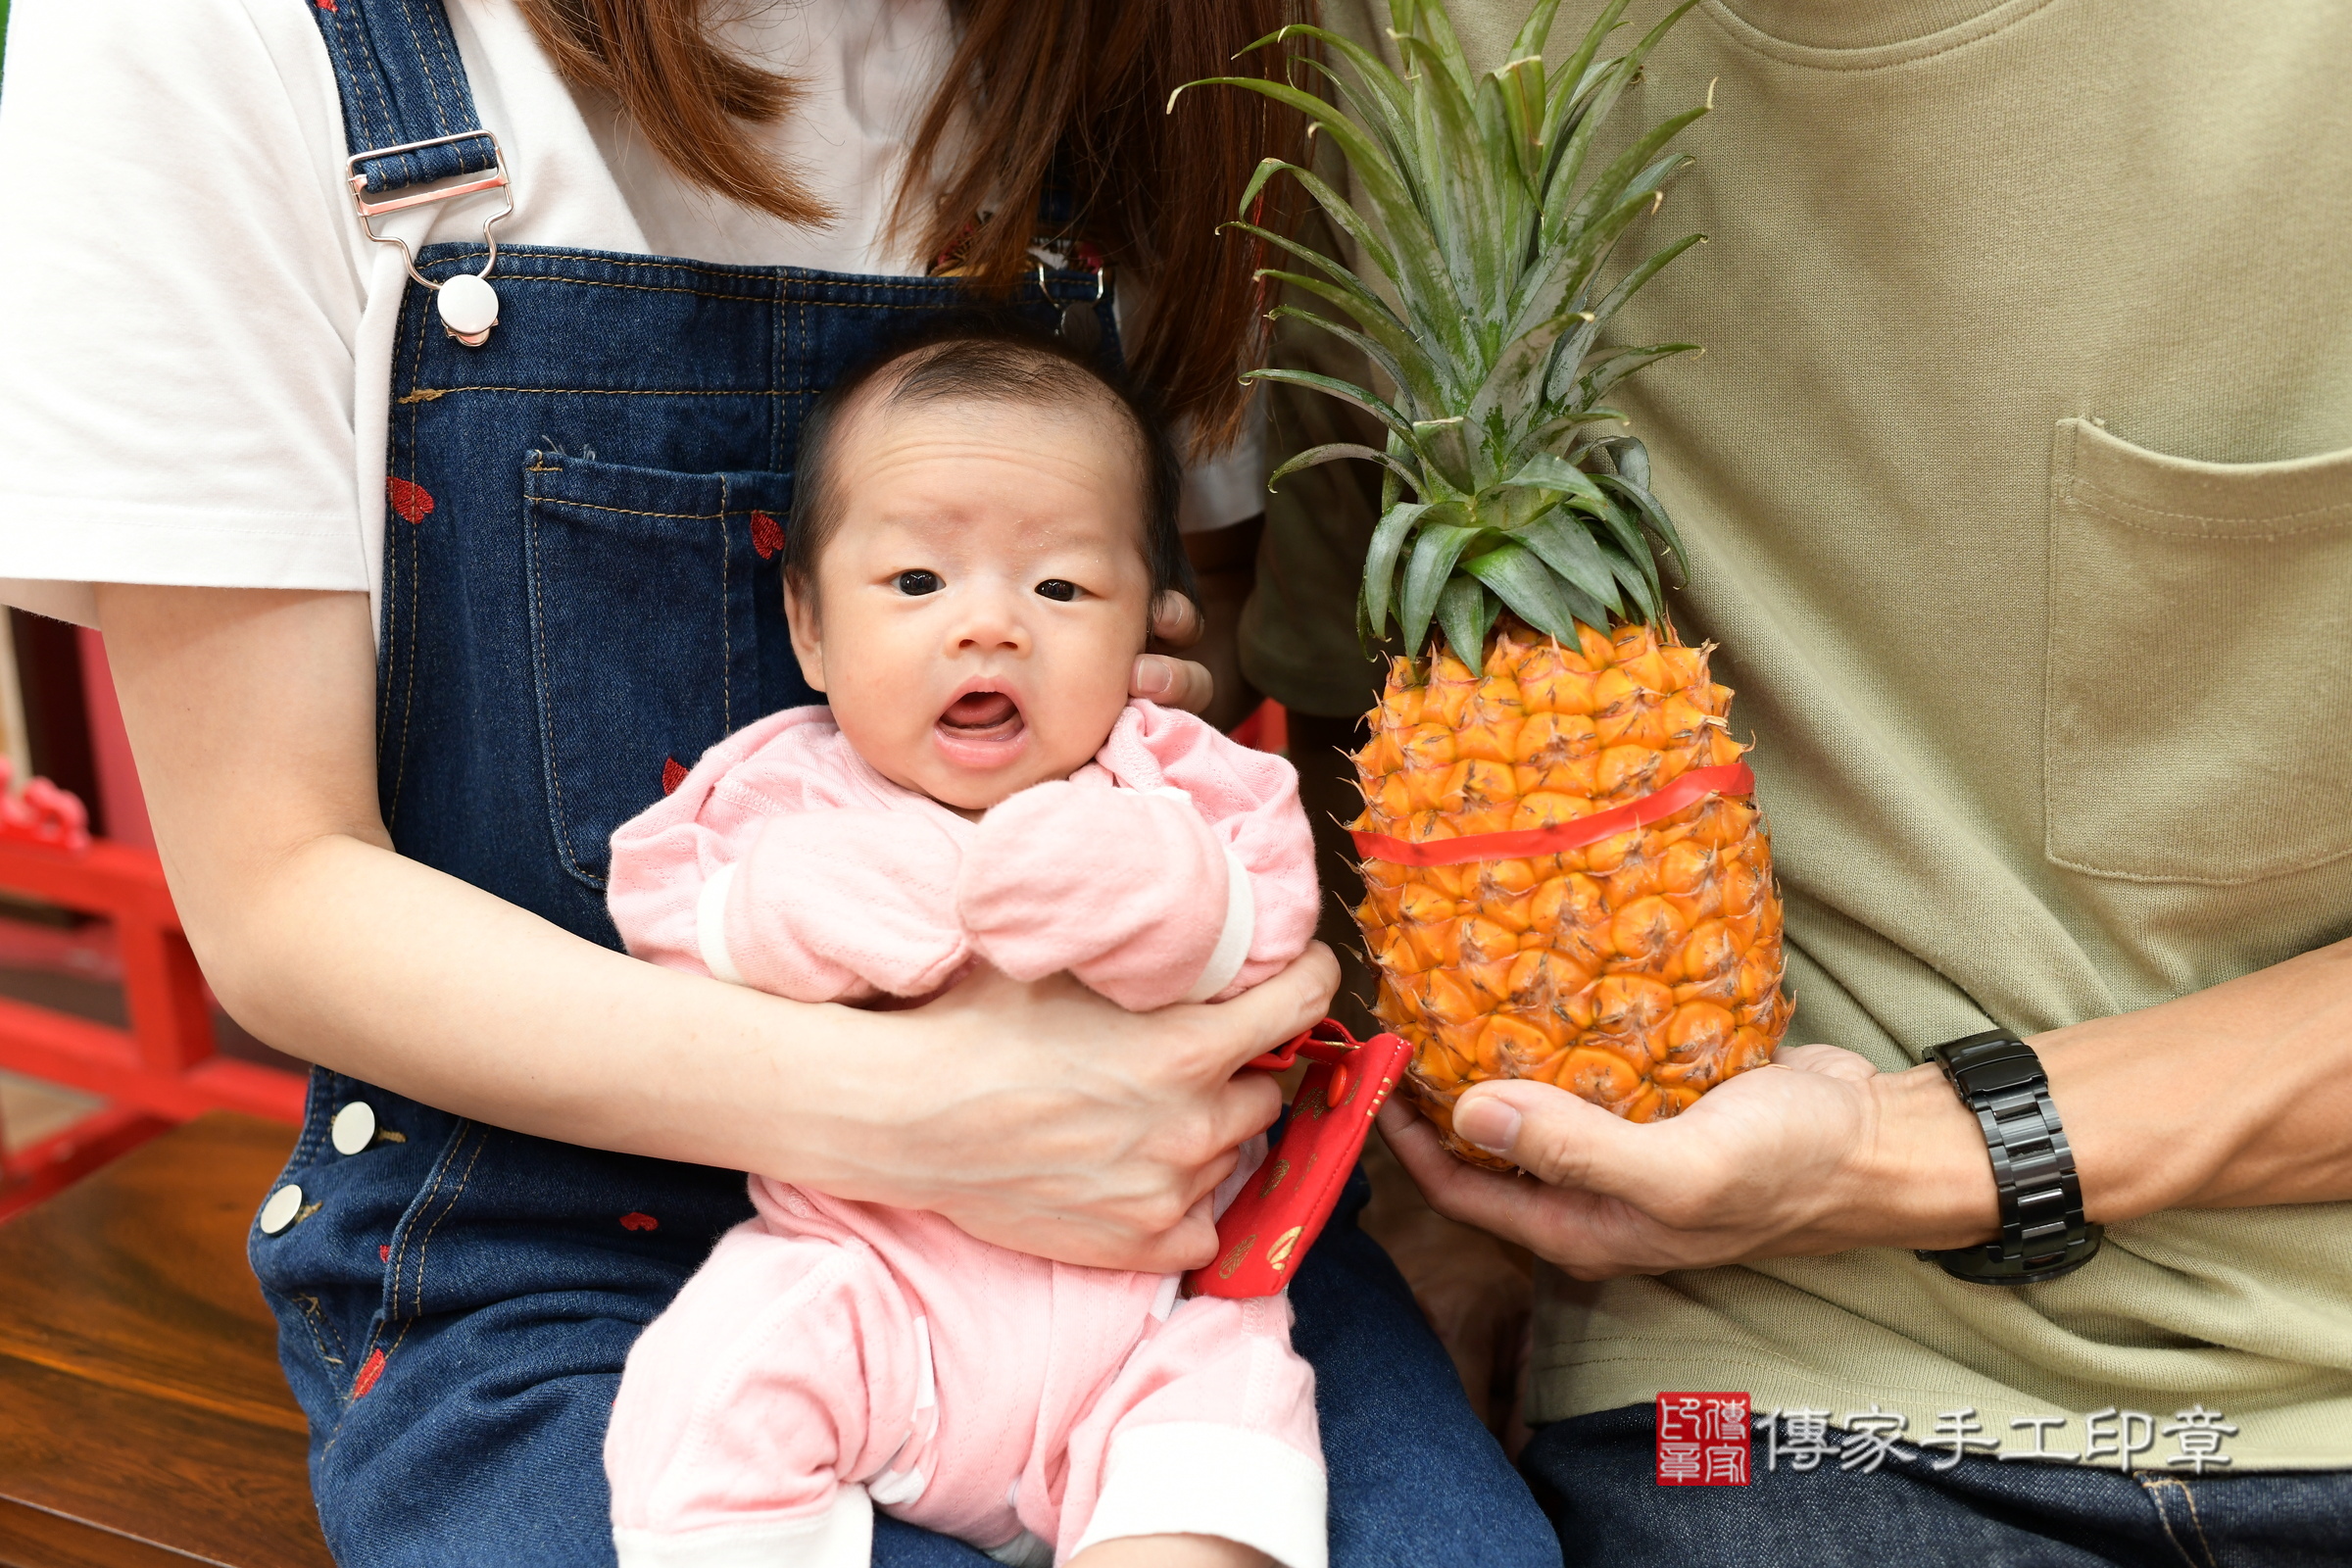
column 416, row 593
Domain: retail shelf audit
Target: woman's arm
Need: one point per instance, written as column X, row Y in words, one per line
column 2235, row 1096
column 1038, row 1116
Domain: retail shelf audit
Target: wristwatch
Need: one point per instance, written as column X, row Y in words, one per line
column 2043, row 1233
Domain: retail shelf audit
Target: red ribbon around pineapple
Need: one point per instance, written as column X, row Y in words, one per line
column 1729, row 778
column 1264, row 1236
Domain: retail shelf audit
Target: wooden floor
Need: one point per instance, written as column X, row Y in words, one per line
column 143, row 1420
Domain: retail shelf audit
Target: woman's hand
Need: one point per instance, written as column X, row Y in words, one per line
column 1042, row 1118
column 2230, row 1096
column 1814, row 1154
column 1176, row 623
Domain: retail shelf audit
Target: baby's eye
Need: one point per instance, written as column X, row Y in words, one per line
column 1056, row 588
column 913, row 584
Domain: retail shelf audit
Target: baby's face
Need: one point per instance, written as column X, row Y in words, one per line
column 982, row 599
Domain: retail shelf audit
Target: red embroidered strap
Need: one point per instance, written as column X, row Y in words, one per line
column 1731, row 778
column 1326, row 1042
column 1281, row 1211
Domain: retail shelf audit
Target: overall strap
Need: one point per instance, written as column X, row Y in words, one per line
column 397, row 68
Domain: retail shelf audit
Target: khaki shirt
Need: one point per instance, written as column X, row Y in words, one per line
column 2018, row 484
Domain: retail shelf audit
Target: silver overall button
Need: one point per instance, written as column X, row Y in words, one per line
column 354, row 1128
column 279, row 1211
column 469, row 309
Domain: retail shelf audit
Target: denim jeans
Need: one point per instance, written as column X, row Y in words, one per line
column 1596, row 1477
column 455, row 1308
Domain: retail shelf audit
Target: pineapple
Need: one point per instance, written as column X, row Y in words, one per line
column 1622, row 938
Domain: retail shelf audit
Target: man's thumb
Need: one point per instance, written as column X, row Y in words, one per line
column 1553, row 1134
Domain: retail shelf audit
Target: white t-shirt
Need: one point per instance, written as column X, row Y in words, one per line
column 195, row 336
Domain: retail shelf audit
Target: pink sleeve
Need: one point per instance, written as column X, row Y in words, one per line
column 1250, row 799
column 1195, row 881
column 757, row 870
column 865, row 895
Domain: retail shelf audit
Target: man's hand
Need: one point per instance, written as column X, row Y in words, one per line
column 1816, row 1153
column 2231, row 1096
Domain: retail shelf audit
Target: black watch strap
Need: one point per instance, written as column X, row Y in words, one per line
column 2043, row 1233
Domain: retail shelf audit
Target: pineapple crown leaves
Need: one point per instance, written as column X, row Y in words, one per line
column 1493, row 238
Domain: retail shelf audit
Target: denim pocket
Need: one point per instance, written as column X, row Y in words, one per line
column 643, row 587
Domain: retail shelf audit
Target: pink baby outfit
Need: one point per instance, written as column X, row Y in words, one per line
column 834, row 1355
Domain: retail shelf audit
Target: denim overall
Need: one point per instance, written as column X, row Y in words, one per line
column 581, row 589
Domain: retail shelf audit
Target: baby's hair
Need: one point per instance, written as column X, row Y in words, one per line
column 983, row 360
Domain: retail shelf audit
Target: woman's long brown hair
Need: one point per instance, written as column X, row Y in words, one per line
column 1071, row 94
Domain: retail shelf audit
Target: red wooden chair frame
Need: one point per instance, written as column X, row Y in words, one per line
column 162, row 1070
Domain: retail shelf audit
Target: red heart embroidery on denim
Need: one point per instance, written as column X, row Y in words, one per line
column 326, row 5
column 673, row 774
column 383, row 1255
column 408, row 498
column 639, row 1222
column 369, row 1370
column 767, row 536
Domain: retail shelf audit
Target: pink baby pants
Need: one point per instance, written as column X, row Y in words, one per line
column 832, row 1357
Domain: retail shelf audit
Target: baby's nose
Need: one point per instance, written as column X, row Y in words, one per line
column 992, row 621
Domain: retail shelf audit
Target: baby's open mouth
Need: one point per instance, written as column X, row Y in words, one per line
column 982, row 716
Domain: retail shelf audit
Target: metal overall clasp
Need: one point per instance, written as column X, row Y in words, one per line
column 1079, row 326
column 468, row 305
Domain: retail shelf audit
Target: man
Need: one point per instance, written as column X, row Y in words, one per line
column 2018, row 485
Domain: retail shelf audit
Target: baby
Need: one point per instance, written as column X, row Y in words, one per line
column 983, row 526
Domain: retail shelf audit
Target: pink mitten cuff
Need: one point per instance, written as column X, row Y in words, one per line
column 710, row 926
column 1240, row 929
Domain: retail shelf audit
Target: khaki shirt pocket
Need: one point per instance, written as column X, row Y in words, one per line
column 2198, row 723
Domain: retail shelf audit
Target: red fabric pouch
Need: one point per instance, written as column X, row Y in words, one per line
column 1266, row 1233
